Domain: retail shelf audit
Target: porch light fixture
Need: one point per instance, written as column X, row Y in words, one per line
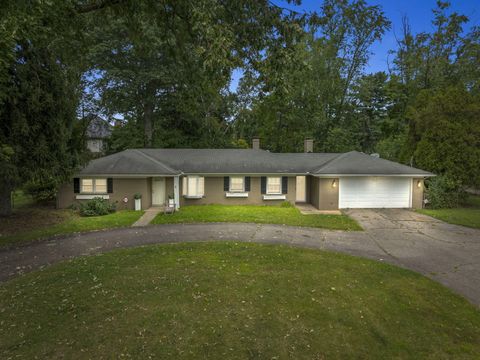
column 334, row 183
column 419, row 183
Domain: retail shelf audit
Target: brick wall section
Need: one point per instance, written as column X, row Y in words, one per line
column 417, row 193
column 121, row 188
column 328, row 194
column 214, row 193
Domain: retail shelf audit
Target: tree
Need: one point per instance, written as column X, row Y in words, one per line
column 166, row 66
column 304, row 87
column 40, row 70
column 446, row 126
column 371, row 109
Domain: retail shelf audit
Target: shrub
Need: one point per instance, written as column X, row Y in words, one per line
column 41, row 191
column 97, row 207
column 286, row 204
column 444, row 192
column 137, row 196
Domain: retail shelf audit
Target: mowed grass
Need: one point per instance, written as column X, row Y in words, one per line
column 46, row 222
column 232, row 301
column 256, row 214
column 468, row 215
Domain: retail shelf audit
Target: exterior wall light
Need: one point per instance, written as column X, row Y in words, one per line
column 419, row 183
column 334, row 183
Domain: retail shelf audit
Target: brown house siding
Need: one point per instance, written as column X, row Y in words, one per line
column 314, row 194
column 328, row 194
column 322, row 194
column 214, row 193
column 417, row 193
column 121, row 188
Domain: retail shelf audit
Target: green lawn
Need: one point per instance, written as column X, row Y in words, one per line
column 66, row 222
column 256, row 214
column 469, row 215
column 461, row 216
column 232, row 301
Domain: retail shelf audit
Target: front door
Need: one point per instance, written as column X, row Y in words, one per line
column 301, row 189
column 158, row 191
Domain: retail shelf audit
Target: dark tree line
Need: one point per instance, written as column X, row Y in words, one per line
column 163, row 69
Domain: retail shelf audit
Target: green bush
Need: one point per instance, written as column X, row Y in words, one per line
column 286, row 204
column 443, row 192
column 41, row 191
column 97, row 207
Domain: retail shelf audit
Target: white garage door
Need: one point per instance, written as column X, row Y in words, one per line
column 374, row 192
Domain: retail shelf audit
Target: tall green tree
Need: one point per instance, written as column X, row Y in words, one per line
column 39, row 141
column 305, row 88
column 446, row 123
column 165, row 67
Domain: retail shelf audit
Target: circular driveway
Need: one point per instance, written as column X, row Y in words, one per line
column 447, row 253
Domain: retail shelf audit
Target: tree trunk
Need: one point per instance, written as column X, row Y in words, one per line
column 5, row 199
column 148, row 113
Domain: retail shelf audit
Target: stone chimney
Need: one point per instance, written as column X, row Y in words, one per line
column 256, row 143
column 308, row 145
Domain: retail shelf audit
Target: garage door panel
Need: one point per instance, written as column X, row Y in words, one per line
column 374, row 192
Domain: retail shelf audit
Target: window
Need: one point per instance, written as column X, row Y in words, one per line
column 274, row 185
column 193, row 186
column 237, row 184
column 101, row 186
column 94, row 186
column 87, row 186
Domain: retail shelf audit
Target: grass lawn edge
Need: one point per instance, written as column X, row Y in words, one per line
column 432, row 295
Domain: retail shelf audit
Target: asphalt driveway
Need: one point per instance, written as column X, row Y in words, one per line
column 447, row 253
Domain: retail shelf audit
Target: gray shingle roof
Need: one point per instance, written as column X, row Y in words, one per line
column 128, row 162
column 98, row 128
column 242, row 161
column 356, row 163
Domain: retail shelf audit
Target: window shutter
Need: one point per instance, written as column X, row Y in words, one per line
column 226, row 183
column 263, row 185
column 247, row 183
column 76, row 185
column 284, row 184
column 109, row 185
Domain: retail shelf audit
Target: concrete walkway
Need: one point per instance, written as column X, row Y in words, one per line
column 309, row 209
column 148, row 216
column 447, row 253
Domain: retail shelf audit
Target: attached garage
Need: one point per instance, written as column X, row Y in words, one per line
column 375, row 192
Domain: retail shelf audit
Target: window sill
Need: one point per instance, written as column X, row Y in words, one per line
column 91, row 196
column 193, row 196
column 236, row 194
column 274, row 197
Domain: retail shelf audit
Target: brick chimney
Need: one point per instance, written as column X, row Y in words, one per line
column 256, row 143
column 308, row 145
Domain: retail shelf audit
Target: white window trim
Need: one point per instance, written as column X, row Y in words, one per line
column 236, row 194
column 94, row 191
column 230, row 184
column 280, row 187
column 275, row 197
column 92, row 196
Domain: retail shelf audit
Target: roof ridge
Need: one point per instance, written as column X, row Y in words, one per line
column 155, row 161
column 341, row 155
